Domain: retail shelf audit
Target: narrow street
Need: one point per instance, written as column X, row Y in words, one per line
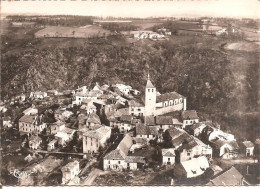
column 91, row 177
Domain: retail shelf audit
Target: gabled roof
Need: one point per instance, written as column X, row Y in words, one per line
column 122, row 111
column 174, row 133
column 189, row 114
column 168, row 96
column 35, row 139
column 27, row 119
column 70, row 166
column 164, row 120
column 126, row 118
column 168, row 152
column 195, row 166
column 135, row 103
column 198, row 125
column 93, row 118
column 230, row 177
column 125, row 144
column 134, row 159
column 114, row 155
column 99, row 133
column 248, row 144
column 146, row 130
column 52, row 142
column 122, row 149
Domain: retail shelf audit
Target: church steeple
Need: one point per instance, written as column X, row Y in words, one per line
column 149, row 83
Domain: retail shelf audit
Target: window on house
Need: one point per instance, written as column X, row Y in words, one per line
column 188, row 152
column 148, row 90
column 119, row 162
column 108, row 162
column 152, row 90
column 132, row 109
column 168, row 159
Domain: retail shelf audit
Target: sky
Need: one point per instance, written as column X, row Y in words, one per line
column 141, row 8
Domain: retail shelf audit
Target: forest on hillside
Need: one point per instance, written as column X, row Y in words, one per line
column 200, row 75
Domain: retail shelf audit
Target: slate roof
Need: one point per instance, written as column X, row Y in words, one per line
column 70, row 166
column 230, row 177
column 168, row 152
column 126, row 118
column 35, row 139
column 218, row 143
column 248, row 144
column 189, row 114
column 149, row 84
column 168, row 96
column 134, row 159
column 93, row 118
column 198, row 125
column 135, row 103
column 176, row 121
column 122, row 111
column 122, row 149
column 150, row 120
column 174, row 133
column 146, row 130
column 125, row 144
column 164, row 120
column 27, row 119
column 97, row 134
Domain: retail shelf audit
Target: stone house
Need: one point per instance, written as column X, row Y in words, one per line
column 94, row 139
column 168, row 156
column 70, row 172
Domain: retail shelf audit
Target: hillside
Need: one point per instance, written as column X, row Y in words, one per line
column 193, row 66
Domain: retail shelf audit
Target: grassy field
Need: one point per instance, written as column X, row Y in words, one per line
column 146, row 24
column 72, row 32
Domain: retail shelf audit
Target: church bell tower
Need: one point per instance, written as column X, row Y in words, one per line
column 150, row 98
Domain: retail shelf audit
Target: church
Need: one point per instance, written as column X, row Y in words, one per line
column 162, row 104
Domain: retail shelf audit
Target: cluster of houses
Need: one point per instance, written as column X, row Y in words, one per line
column 94, row 115
column 147, row 34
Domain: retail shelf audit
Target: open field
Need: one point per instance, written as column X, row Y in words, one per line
column 72, row 32
column 146, row 24
column 244, row 46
